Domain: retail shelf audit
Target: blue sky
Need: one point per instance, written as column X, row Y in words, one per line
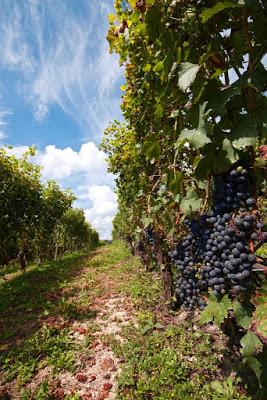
column 59, row 88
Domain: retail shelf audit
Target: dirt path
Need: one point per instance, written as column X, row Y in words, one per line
column 96, row 366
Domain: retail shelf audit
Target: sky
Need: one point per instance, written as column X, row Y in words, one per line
column 59, row 88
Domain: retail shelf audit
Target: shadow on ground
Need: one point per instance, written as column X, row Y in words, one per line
column 28, row 298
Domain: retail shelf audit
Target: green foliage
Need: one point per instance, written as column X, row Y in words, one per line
column 225, row 390
column 251, row 345
column 33, row 215
column 260, row 313
column 216, row 310
column 160, row 363
column 194, row 104
column 220, row 6
column 242, row 316
column 46, row 347
column 184, row 111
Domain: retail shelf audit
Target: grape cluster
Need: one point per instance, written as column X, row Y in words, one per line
column 227, row 258
column 187, row 286
column 217, row 253
column 149, row 235
column 232, row 191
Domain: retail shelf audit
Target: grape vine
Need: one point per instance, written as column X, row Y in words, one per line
column 190, row 160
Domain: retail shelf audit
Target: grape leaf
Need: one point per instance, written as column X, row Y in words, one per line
column 260, row 321
column 216, row 310
column 231, row 154
column 176, row 183
column 152, row 151
column 187, row 75
column 260, row 313
column 251, row 345
column 191, row 202
column 159, row 66
column 256, row 367
column 220, row 6
column 196, row 137
column 241, row 315
column 218, row 97
column 245, row 133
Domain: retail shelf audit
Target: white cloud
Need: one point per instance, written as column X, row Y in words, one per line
column 62, row 58
column 63, row 163
column 18, row 150
column 85, row 172
column 15, row 52
column 4, row 113
column 103, row 210
column 57, row 54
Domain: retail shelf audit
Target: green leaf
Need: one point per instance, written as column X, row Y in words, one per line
column 216, row 310
column 196, row 137
column 148, row 221
column 153, row 21
column 251, row 345
column 241, row 315
column 218, row 97
column 224, row 156
column 152, row 151
column 147, row 68
column 230, row 153
column 256, row 367
column 220, row 6
column 218, row 387
column 191, row 202
column 159, row 111
column 176, row 183
column 159, row 66
column 146, row 329
column 204, row 165
column 260, row 314
column 245, row 133
column 187, row 75
column 158, row 325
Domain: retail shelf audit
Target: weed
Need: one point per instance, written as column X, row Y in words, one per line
column 41, row 394
column 49, row 346
column 175, row 363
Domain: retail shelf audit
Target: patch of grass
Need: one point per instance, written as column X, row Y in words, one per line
column 41, row 394
column 9, row 269
column 109, row 256
column 145, row 289
column 163, row 363
column 25, row 298
column 48, row 347
column 173, row 363
column 132, row 279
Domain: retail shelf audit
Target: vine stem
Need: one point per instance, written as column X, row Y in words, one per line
column 250, row 58
column 207, row 195
column 148, row 205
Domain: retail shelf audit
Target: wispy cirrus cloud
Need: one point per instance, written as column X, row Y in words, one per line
column 56, row 53
column 61, row 58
